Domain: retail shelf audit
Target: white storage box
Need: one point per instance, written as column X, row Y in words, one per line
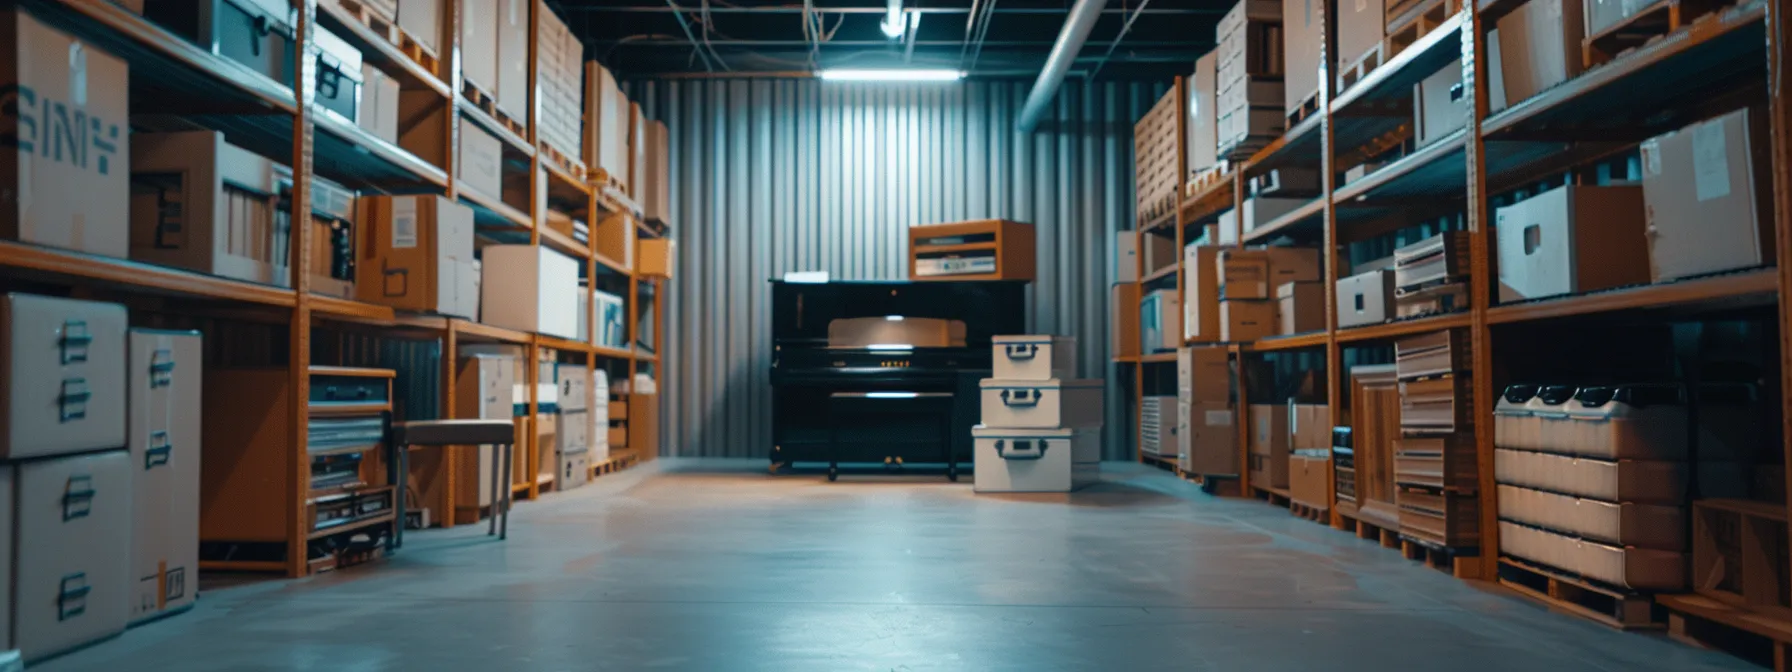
column 1574, row 238
column 1639, row 568
column 1035, row 460
column 1158, row 426
column 1034, row 357
column 165, row 377
column 1041, row 404
column 74, row 517
column 65, row 376
column 1365, row 298
column 1640, row 422
column 530, row 288
column 1641, row 525
column 1519, row 412
column 1608, row 480
column 1703, row 196
column 1159, row 330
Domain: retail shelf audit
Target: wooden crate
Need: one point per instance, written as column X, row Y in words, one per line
column 1439, row 353
column 643, row 425
column 1739, row 554
column 1445, row 519
column 1436, row 406
column 1375, row 422
column 1157, row 154
column 1011, row 243
column 1438, row 462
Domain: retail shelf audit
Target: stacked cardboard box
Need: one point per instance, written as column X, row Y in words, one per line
column 1431, row 276
column 1203, row 120
column 1303, row 41
column 417, row 254
column 1248, row 79
column 560, row 59
column 1157, row 170
column 1206, row 425
column 606, row 147
column 1249, row 283
column 1040, row 429
column 1309, row 455
column 1434, row 460
column 1159, row 313
column 1571, row 239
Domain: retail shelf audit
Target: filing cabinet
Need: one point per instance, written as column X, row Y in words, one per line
column 66, row 376
column 165, row 403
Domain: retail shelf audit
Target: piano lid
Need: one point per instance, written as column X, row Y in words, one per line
column 804, row 312
column 895, row 332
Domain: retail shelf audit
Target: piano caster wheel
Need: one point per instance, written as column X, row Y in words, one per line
column 775, row 467
column 952, row 475
column 833, row 474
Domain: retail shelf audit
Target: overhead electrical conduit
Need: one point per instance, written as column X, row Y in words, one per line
column 1057, row 63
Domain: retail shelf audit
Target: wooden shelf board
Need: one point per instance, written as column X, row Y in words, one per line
column 563, row 344
column 1160, row 274
column 1756, row 287
column 567, row 179
column 1300, row 145
column 1209, row 202
column 474, row 331
column 349, row 154
column 606, row 262
column 613, row 353
column 492, row 204
column 362, row 371
column 564, row 244
column 519, row 487
column 1311, row 339
column 1162, row 221
column 68, row 265
column 1391, row 330
column 375, row 50
column 1710, row 609
column 1313, row 213
column 1126, row 359
column 490, row 125
column 966, row 247
column 352, row 310
column 1158, row 358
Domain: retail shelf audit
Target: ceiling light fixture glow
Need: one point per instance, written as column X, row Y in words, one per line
column 844, row 75
column 894, row 24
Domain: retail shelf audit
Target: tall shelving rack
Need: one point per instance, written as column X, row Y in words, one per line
column 1737, row 55
column 207, row 90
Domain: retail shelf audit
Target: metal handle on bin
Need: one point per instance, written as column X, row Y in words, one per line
column 1020, row 398
column 1022, row 449
column 73, row 401
column 71, row 598
column 161, row 368
column 77, row 497
column 75, row 339
column 160, row 448
column 1022, row 351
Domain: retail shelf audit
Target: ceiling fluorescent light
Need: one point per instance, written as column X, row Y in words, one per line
column 892, row 75
column 894, row 23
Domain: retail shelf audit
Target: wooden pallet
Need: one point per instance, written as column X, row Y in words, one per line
column 613, row 465
column 1351, row 73
column 1307, row 108
column 489, row 105
column 1567, row 593
column 1648, row 24
column 1388, row 538
column 1462, row 563
column 1276, row 497
column 386, row 28
column 1317, row 515
column 572, row 165
column 1413, row 22
column 1220, row 486
column 1205, row 179
column 1706, row 622
column 1166, row 464
column 1150, row 210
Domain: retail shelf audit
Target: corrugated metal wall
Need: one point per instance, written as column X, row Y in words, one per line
column 796, row 175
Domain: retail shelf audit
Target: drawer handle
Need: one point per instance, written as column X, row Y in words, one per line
column 1021, row 449
column 329, row 77
column 161, row 368
column 1022, row 351
column 1020, row 398
column 77, row 497
column 73, row 401
column 160, row 448
column 358, row 393
column 75, row 339
column 71, row 600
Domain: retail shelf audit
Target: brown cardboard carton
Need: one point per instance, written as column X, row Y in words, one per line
column 413, row 251
column 1126, row 319
column 1205, row 374
column 1213, row 441
column 1309, row 427
column 1269, row 445
column 1244, row 274
column 378, row 113
column 480, row 161
column 606, row 128
column 1571, row 239
column 1158, row 252
column 422, row 21
column 1361, row 28
column 1201, row 293
column 1549, row 35
column 656, row 257
column 1303, row 33
column 200, row 203
column 512, row 94
column 1639, row 568
column 1292, row 264
column 1310, row 480
column 64, row 178
column 1243, row 321
column 1704, row 198
column 1365, row 298
column 1300, row 307
column 1657, row 526
column 479, row 44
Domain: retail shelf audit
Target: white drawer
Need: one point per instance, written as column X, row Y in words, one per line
column 1041, row 404
column 66, row 360
column 1048, row 460
column 74, row 514
column 1034, row 357
column 164, row 443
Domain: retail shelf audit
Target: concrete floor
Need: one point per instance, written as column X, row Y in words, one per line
column 713, row 565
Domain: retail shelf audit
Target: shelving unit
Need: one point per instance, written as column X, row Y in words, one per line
column 175, row 80
column 1715, row 64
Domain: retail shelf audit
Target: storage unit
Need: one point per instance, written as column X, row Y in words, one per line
column 1551, row 33
column 72, row 572
column 417, row 254
column 1704, row 196
column 1035, row 460
column 1034, row 357
column 66, row 372
column 1158, row 427
column 78, row 200
column 1571, row 239
column 1041, row 404
column 531, row 289
column 1158, row 330
column 1365, row 298
column 988, row 249
column 201, row 203
column 164, row 440
column 1300, row 307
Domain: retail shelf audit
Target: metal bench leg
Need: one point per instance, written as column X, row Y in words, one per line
column 504, row 525
column 404, row 480
column 491, row 528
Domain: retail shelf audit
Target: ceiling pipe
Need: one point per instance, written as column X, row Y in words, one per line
column 1070, row 41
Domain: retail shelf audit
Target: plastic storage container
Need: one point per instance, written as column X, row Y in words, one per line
column 1035, row 460
column 1034, row 357
column 1041, row 404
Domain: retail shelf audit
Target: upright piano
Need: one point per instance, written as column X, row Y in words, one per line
column 883, row 372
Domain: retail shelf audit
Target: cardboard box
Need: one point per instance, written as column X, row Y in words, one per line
column 1310, row 480
column 1202, row 117
column 480, row 162
column 62, row 185
column 1657, row 526
column 1300, row 307
column 512, row 94
column 658, row 204
column 165, row 428
column 479, row 44
column 1160, row 315
column 1285, row 181
column 1551, row 32
column 531, row 288
column 1365, row 298
column 606, row 128
column 1269, row 445
column 378, row 113
column 1259, row 211
column 422, row 21
column 1244, row 274
column 1126, row 256
column 1125, row 336
column 1309, row 427
column 1571, row 239
column 1204, row 374
column 1440, row 104
column 1201, row 293
column 1247, row 320
column 1303, row 33
column 1638, row 568
column 64, row 543
column 1361, row 27
column 200, row 203
column 1159, row 252
column 637, row 153
column 1212, row 440
column 656, row 257
column 416, row 253
column 1705, row 199
column 1292, row 264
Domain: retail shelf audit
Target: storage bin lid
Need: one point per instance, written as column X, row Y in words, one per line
column 1034, row 338
column 1050, row 383
column 982, row 432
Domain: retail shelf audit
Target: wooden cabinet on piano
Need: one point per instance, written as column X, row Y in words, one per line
column 247, row 505
column 883, row 370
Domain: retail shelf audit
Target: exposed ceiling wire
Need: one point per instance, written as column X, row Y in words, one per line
column 696, row 49
column 1125, row 28
column 975, row 45
column 709, row 25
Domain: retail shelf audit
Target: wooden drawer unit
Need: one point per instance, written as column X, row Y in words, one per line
column 1436, row 406
column 1438, row 259
column 1439, row 353
column 1442, row 518
column 1441, row 462
column 987, row 249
